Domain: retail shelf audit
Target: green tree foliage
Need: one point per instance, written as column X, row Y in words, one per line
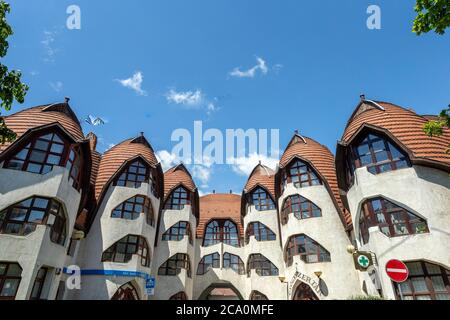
column 11, row 87
column 432, row 15
column 436, row 127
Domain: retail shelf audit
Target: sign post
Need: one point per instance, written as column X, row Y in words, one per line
column 398, row 272
column 150, row 286
column 363, row 260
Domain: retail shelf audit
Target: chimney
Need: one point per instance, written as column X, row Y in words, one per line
column 214, row 191
column 363, row 97
column 92, row 140
column 231, row 191
column 142, row 133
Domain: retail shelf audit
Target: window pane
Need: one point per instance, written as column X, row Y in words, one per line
column 9, row 287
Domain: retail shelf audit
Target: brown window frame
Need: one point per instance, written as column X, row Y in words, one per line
column 210, row 261
column 75, row 165
column 260, row 231
column 443, row 273
column 33, row 148
column 221, row 231
column 39, row 281
column 126, row 292
column 129, row 176
column 177, row 199
column 375, row 166
column 178, row 231
column 262, row 266
column 368, row 218
column 58, row 231
column 261, row 199
column 173, row 265
column 305, row 247
column 142, row 250
column 295, row 201
column 129, row 209
column 293, row 174
column 5, row 277
column 233, row 262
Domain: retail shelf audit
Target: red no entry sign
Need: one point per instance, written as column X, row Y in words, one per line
column 397, row 270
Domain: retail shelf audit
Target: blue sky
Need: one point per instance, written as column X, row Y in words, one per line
column 317, row 57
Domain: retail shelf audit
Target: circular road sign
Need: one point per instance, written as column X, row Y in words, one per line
column 397, row 270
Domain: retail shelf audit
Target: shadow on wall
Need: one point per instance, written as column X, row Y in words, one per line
column 433, row 175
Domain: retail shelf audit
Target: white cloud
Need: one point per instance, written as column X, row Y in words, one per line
column 189, row 98
column 134, row 83
column 56, row 86
column 250, row 73
column 192, row 99
column 167, row 159
column 202, row 173
column 48, row 43
column 245, row 165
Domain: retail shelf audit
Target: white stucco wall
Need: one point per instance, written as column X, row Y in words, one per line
column 36, row 249
column 421, row 190
column 339, row 276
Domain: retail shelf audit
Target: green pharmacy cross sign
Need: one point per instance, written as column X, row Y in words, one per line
column 363, row 260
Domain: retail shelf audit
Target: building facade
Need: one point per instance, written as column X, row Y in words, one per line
column 77, row 224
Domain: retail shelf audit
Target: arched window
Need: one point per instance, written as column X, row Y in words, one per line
column 256, row 295
column 304, row 292
column 221, row 231
column 74, row 164
column 178, row 231
column 133, row 175
column 309, row 250
column 262, row 266
column 261, row 200
column 10, row 276
column 178, row 199
column 132, row 209
column 40, row 154
column 426, row 281
column 174, row 264
column 233, row 262
column 179, row 296
column 378, row 155
column 123, row 250
column 392, row 220
column 208, row 262
column 260, row 231
column 301, row 207
column 22, row 218
column 301, row 175
column 126, row 292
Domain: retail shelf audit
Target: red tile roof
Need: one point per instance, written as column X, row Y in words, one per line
column 35, row 117
column 406, row 126
column 321, row 158
column 220, row 206
column 176, row 176
column 261, row 176
column 114, row 158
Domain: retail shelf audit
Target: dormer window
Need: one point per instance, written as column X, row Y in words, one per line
column 178, row 199
column 378, row 155
column 134, row 175
column 39, row 155
column 301, row 175
column 261, row 200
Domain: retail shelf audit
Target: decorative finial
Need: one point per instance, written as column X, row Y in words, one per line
column 363, row 97
column 66, row 99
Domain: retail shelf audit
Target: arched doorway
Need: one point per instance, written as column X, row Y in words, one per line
column 221, row 291
column 126, row 292
column 304, row 292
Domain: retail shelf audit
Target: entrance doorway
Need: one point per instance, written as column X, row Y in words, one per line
column 304, row 292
